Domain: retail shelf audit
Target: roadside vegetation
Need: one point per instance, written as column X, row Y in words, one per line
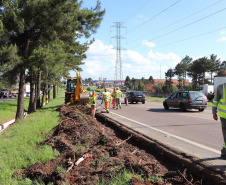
column 8, row 110
column 19, row 143
column 43, row 52
column 21, row 148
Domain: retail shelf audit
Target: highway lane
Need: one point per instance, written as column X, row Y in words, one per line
column 198, row 127
column 7, row 99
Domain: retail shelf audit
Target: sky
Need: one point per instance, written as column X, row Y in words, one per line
column 155, row 36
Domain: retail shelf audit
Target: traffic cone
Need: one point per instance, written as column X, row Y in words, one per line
column 127, row 102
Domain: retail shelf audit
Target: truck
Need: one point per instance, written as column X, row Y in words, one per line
column 26, row 90
column 5, row 93
column 209, row 90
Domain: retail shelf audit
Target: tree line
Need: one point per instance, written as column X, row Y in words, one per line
column 40, row 43
column 187, row 67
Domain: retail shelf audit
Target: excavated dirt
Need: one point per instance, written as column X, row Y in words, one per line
column 104, row 152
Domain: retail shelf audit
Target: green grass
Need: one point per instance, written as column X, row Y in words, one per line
column 8, row 109
column 154, row 99
column 19, row 147
column 125, row 177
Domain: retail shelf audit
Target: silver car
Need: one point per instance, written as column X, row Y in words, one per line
column 186, row 100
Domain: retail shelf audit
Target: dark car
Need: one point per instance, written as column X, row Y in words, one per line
column 135, row 96
column 186, row 100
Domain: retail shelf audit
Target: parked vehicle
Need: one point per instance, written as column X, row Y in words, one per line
column 100, row 95
column 5, row 93
column 27, row 94
column 186, row 100
column 209, row 90
column 135, row 96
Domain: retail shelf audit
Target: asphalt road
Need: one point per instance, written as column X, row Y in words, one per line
column 7, row 99
column 195, row 126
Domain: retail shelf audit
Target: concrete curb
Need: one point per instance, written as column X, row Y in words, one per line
column 5, row 125
column 205, row 163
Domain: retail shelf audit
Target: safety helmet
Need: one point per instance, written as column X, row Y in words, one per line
column 105, row 89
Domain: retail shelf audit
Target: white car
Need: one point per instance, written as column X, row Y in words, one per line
column 100, row 95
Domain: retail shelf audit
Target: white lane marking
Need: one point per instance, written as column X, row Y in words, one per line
column 171, row 135
column 196, row 116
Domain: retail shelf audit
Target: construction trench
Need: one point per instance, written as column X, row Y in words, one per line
column 93, row 151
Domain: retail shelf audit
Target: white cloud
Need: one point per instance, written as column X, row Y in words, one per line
column 100, row 62
column 149, row 44
column 223, row 32
column 222, row 39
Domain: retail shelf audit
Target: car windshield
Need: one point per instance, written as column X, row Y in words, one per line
column 196, row 94
column 137, row 93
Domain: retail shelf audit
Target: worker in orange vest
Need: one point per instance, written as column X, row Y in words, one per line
column 92, row 102
column 114, row 99
column 106, row 99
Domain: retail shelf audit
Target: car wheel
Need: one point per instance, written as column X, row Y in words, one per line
column 143, row 102
column 182, row 108
column 201, row 109
column 166, row 106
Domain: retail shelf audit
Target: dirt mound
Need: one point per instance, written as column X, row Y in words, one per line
column 91, row 152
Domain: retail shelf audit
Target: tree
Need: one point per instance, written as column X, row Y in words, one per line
column 185, row 63
column 197, row 71
column 29, row 25
column 151, row 80
column 213, row 65
column 222, row 68
column 127, row 81
column 179, row 71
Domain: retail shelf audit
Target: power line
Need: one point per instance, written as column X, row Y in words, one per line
column 148, row 1
column 155, row 16
column 191, row 37
column 177, row 21
column 189, row 24
column 184, row 26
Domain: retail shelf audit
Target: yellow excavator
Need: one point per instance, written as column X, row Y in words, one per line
column 75, row 93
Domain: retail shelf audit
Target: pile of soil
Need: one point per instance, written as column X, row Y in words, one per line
column 92, row 152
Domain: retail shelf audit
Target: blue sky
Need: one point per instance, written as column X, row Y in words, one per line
column 158, row 35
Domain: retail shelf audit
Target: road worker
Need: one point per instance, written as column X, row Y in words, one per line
column 92, row 102
column 220, row 102
column 114, row 99
column 118, row 96
column 106, row 99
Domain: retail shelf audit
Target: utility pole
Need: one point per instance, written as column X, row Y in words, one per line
column 118, row 62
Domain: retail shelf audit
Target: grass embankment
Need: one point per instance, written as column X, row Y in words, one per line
column 8, row 110
column 19, row 143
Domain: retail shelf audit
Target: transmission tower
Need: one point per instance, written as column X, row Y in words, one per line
column 118, row 62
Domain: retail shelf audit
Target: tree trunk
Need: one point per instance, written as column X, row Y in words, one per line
column 54, row 91
column 38, row 87
column 43, row 96
column 49, row 88
column 31, row 107
column 20, row 100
